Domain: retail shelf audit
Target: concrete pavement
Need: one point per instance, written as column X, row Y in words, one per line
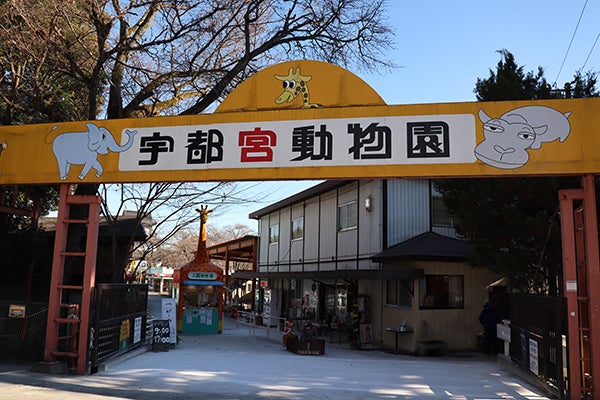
column 242, row 363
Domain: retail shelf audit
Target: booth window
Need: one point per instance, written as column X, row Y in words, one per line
column 347, row 216
column 400, row 292
column 442, row 292
column 274, row 234
column 298, row 228
column 201, row 296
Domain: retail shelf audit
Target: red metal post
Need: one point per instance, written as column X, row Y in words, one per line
column 567, row 223
column 582, row 288
column 54, row 301
column 80, row 327
column 593, row 277
column 89, row 280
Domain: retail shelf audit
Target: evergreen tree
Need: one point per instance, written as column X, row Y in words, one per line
column 514, row 222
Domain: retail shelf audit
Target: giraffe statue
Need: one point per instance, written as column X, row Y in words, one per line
column 201, row 253
column 294, row 84
column 200, row 263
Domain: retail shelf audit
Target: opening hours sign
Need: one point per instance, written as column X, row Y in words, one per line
column 311, row 120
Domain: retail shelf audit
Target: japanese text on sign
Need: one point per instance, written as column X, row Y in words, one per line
column 328, row 142
column 202, row 275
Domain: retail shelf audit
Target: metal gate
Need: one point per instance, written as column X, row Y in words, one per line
column 540, row 321
column 119, row 313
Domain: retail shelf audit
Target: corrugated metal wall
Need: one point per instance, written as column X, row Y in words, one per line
column 408, row 209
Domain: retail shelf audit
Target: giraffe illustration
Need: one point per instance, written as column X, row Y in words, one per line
column 294, row 84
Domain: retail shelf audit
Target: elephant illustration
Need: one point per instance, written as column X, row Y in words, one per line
column 82, row 148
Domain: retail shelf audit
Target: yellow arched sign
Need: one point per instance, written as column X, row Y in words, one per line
column 311, row 120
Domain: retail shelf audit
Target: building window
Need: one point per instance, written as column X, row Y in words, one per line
column 274, row 234
column 440, row 216
column 400, row 292
column 347, row 216
column 442, row 291
column 298, row 228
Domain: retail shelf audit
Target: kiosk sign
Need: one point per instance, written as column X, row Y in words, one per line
column 207, row 276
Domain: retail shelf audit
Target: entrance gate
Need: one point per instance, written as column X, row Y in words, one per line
column 345, row 132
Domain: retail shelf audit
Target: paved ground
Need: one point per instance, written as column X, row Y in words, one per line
column 242, row 364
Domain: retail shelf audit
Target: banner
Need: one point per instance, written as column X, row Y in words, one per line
column 272, row 134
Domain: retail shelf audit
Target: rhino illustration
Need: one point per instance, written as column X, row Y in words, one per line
column 508, row 138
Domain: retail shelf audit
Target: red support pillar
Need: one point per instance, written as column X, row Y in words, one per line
column 78, row 323
column 593, row 277
column 58, row 265
column 89, row 280
column 581, row 269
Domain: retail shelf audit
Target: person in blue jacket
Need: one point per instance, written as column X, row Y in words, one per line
column 488, row 319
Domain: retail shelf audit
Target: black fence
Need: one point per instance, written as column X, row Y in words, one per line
column 538, row 331
column 22, row 330
column 118, row 324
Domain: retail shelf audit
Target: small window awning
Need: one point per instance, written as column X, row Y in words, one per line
column 427, row 246
column 202, row 283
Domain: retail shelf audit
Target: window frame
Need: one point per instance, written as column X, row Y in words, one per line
column 347, row 218
column 442, row 300
column 274, row 236
column 440, row 215
column 294, row 230
column 404, row 289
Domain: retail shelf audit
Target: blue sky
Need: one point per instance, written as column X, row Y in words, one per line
column 442, row 47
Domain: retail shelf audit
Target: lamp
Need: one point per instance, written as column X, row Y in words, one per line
column 368, row 204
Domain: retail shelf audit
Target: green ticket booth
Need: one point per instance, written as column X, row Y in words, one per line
column 201, row 310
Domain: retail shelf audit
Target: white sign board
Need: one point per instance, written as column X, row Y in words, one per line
column 169, row 312
column 503, row 332
column 137, row 330
column 533, row 356
column 430, row 139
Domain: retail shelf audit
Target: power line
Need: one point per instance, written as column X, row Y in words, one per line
column 591, row 50
column 571, row 42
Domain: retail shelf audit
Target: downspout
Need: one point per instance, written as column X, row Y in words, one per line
column 303, row 233
column 358, row 207
column 279, row 240
column 384, row 214
column 319, row 237
column 337, row 224
column 290, row 241
column 430, row 207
